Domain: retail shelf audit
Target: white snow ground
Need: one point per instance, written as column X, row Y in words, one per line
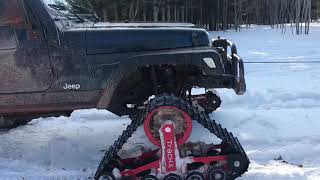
column 277, row 116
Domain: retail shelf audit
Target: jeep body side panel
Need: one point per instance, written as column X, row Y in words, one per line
column 54, row 100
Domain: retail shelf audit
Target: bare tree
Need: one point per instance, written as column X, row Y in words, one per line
column 214, row 14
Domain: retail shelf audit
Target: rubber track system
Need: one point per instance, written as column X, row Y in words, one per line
column 228, row 140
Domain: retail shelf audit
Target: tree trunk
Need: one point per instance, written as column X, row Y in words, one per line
column 105, row 14
column 155, row 11
column 236, row 22
column 115, row 10
column 175, row 13
column 163, row 13
column 168, row 13
column 225, row 14
column 144, row 14
column 182, row 14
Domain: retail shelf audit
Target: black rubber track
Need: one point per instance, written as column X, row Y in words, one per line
column 234, row 147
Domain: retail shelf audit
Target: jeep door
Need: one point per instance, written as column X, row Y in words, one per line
column 24, row 60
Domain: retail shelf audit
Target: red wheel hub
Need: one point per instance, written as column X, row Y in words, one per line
column 181, row 119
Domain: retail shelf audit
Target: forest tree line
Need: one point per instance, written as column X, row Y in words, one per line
column 213, row 14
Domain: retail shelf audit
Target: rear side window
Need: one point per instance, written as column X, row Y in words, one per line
column 7, row 38
column 11, row 13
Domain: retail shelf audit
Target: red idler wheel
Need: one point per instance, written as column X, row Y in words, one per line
column 180, row 118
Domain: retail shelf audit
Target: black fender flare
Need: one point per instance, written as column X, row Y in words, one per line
column 185, row 56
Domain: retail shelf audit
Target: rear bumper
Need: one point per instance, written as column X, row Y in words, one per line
column 230, row 74
column 240, row 86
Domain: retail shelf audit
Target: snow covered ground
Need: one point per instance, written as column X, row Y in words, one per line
column 278, row 116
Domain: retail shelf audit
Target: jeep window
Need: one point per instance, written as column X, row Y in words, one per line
column 81, row 9
column 12, row 13
column 7, row 39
